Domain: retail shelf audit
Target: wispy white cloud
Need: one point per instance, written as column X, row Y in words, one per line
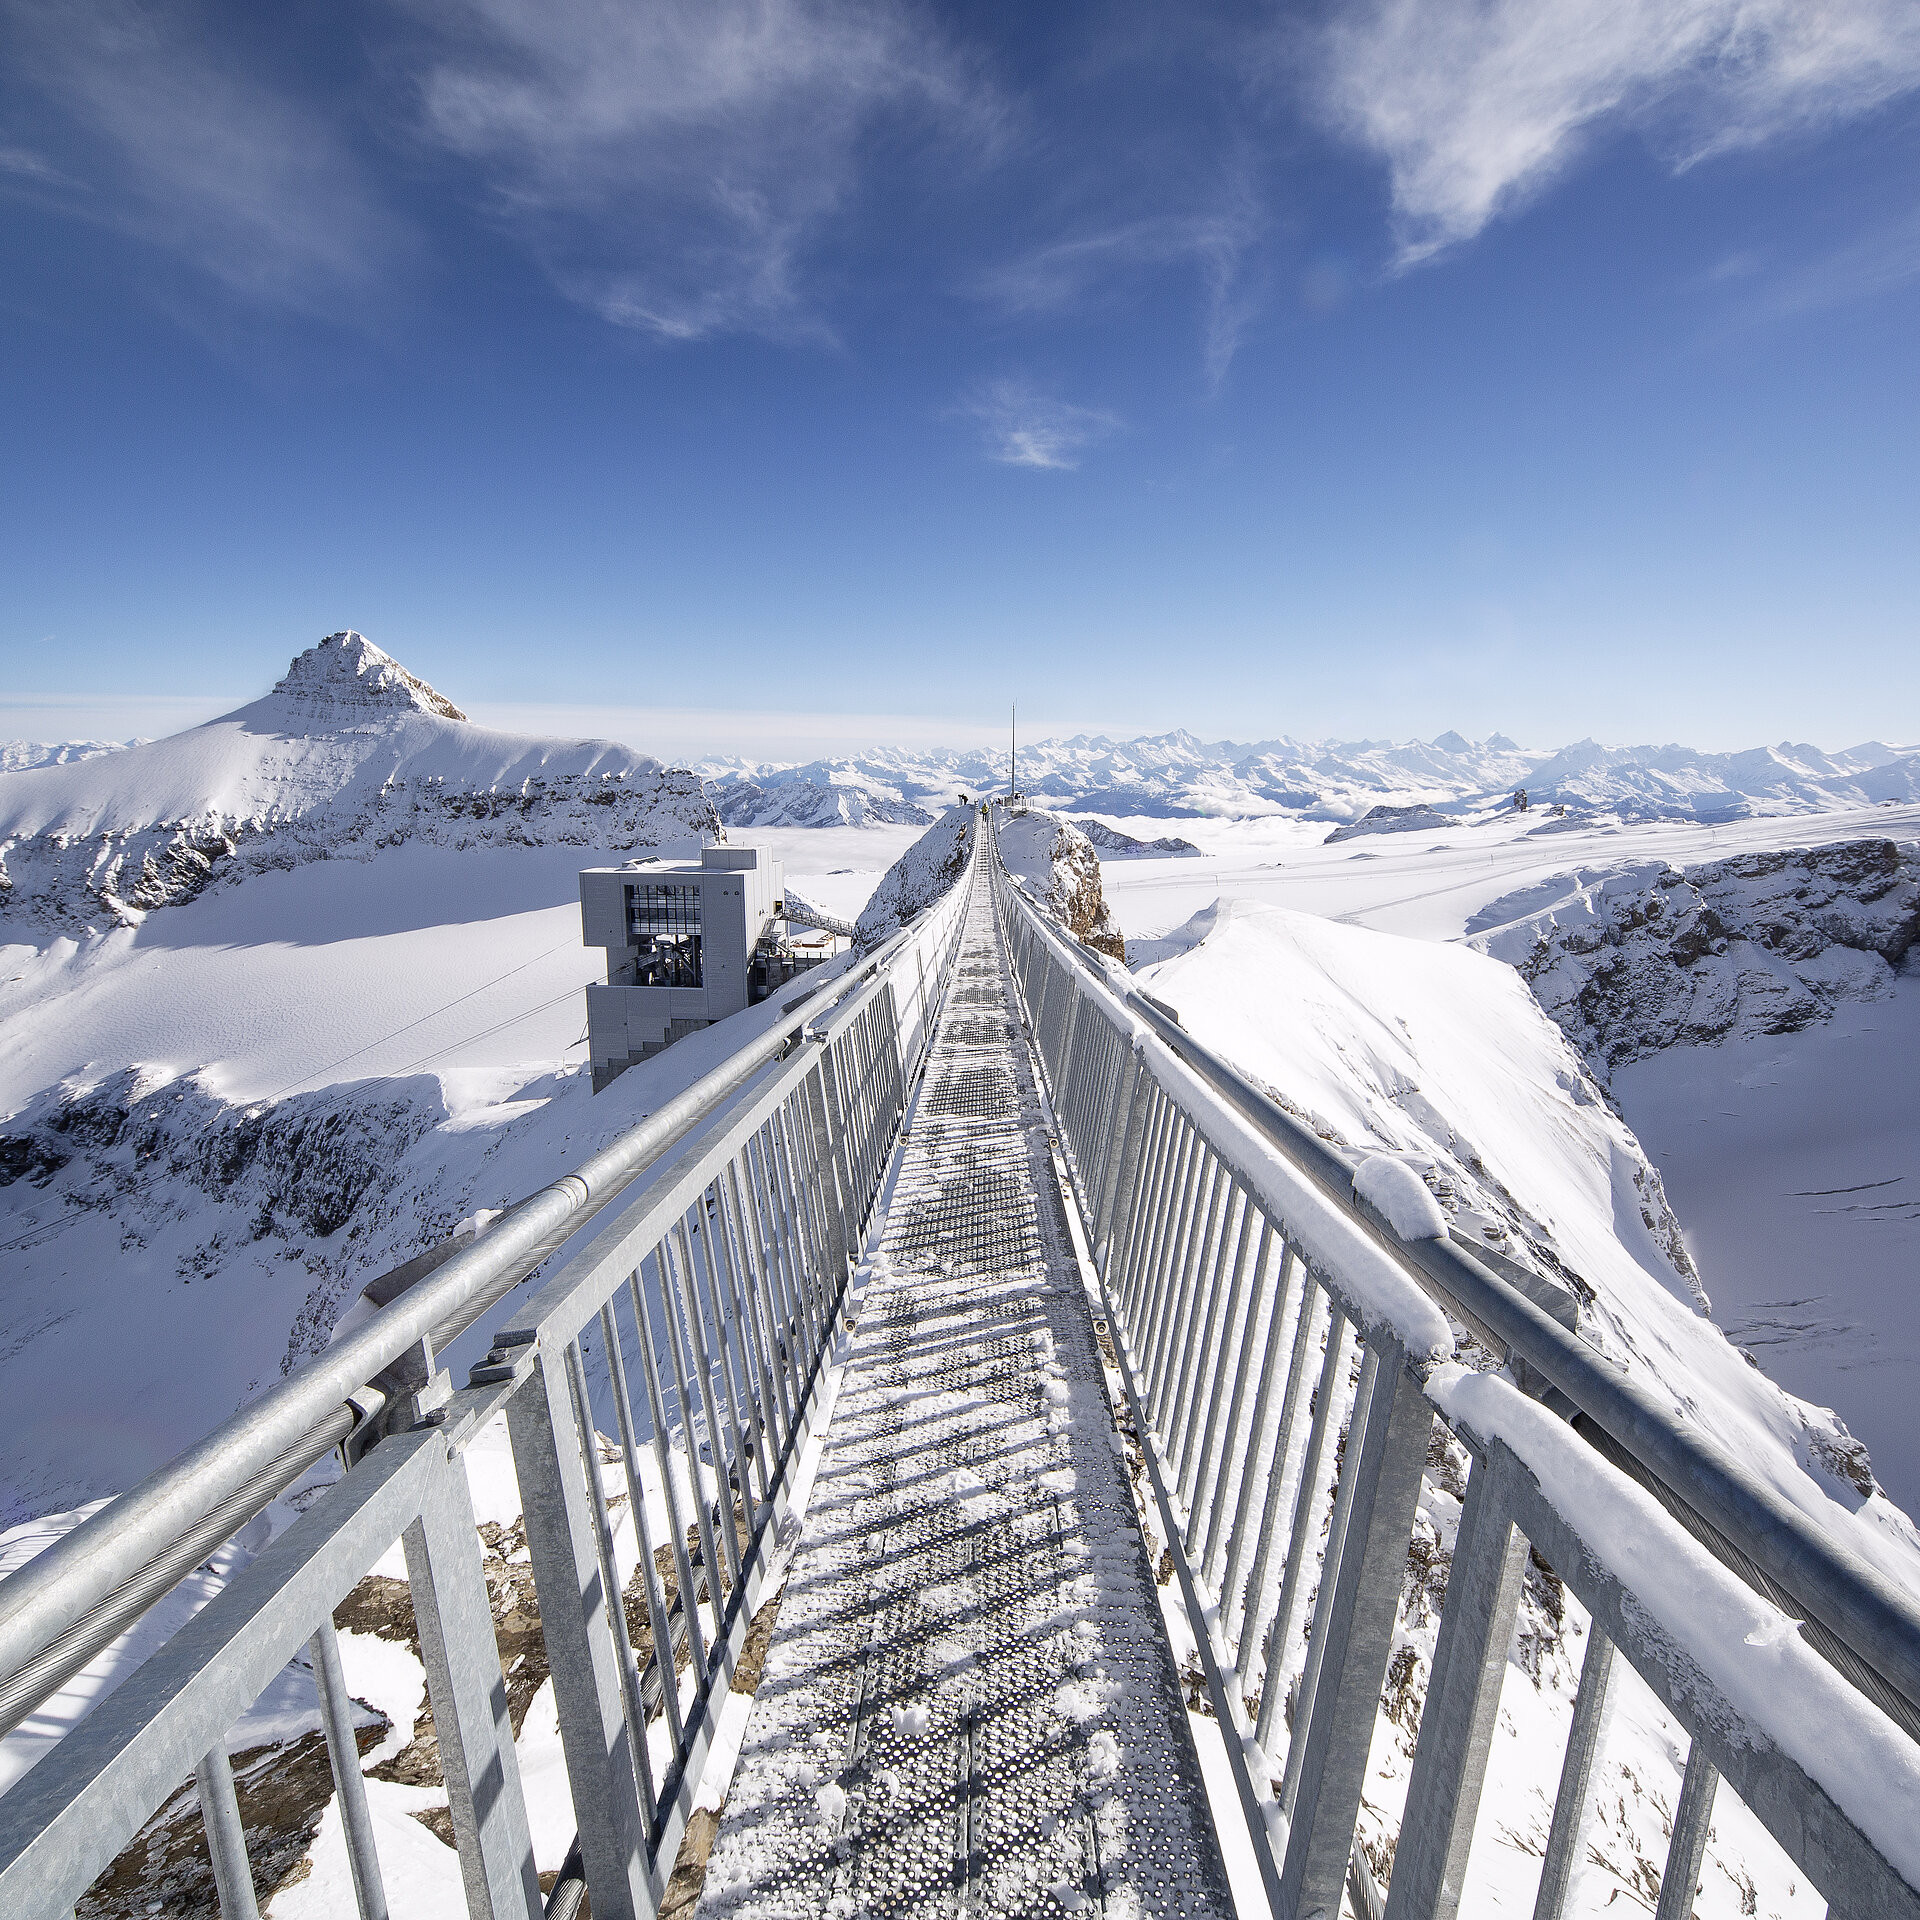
column 1026, row 428
column 19, row 163
column 190, row 152
column 670, row 163
column 1477, row 105
column 1084, row 267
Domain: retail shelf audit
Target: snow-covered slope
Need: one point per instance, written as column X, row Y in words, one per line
column 1442, row 1057
column 349, row 754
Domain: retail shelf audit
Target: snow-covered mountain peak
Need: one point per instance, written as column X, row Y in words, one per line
column 346, row 677
column 349, row 754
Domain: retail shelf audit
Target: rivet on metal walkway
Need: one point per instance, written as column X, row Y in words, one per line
column 970, row 1705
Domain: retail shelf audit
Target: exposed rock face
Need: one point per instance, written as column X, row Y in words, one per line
column 1632, row 959
column 1061, row 870
column 347, row 675
column 922, row 875
column 1390, row 820
column 348, row 755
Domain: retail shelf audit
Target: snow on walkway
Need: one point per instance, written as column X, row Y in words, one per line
column 969, row 1705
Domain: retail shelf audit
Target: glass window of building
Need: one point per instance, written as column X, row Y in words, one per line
column 663, row 924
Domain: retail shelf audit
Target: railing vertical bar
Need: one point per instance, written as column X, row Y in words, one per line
column 802, row 1185
column 1202, row 1339
column 453, row 1616
column 1360, row 1589
column 663, row 1458
column 1219, row 1347
column 678, row 1335
column 705, row 1300
column 1463, row 1700
column 758, row 1282
column 1688, row 1848
column 732, row 1333
column 226, row 1838
column 1347, row 1489
column 763, row 1192
column 1184, row 1299
column 1576, row 1775
column 746, row 1312
column 1172, row 1206
column 1232, row 1443
column 343, row 1750
column 811, row 1190
column 1245, row 1599
column 631, row 1697
column 1140, row 1214
column 553, row 1462
column 1302, row 1536
column 659, row 1620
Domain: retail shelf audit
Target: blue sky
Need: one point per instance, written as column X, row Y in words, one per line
column 770, row 377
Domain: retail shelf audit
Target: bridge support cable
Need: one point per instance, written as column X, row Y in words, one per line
column 1238, row 1267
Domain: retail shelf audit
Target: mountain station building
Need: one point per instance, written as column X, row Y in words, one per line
column 688, row 943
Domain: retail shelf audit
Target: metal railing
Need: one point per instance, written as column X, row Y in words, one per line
column 705, row 1310
column 1242, row 1275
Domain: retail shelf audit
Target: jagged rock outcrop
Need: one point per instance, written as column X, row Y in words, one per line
column 1631, row 959
column 1057, row 862
column 1390, row 820
column 350, row 754
column 923, row 874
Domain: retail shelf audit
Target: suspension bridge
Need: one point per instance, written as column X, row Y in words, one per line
column 1066, row 1394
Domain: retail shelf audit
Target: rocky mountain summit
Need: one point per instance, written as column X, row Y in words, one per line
column 1630, row 959
column 348, row 755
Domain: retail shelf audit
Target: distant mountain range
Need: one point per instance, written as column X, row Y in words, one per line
column 1179, row 776
column 1169, row 776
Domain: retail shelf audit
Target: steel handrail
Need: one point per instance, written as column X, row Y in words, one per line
column 116, row 1546
column 1874, row 1619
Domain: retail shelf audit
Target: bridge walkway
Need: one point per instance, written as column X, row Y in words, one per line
column 969, row 1705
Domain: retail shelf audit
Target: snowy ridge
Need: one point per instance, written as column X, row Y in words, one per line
column 348, row 755
column 21, row 756
column 1641, row 956
column 922, row 875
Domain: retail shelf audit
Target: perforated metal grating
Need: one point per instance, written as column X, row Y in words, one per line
column 970, row 1648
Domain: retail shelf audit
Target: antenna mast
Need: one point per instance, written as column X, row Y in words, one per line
column 1013, row 730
